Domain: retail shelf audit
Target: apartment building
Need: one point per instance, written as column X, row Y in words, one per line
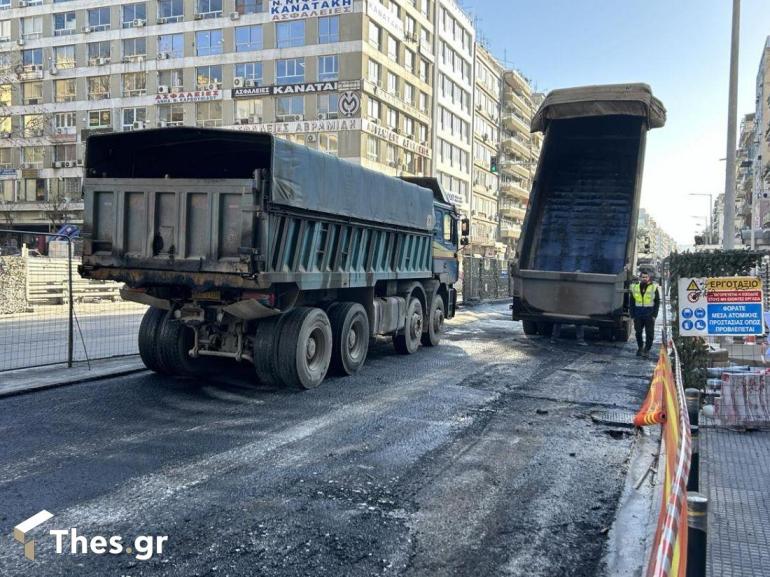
column 744, row 181
column 485, row 212
column 455, row 38
column 652, row 241
column 348, row 77
column 761, row 170
column 520, row 151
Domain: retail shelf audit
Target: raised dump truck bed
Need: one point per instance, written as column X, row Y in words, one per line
column 253, row 248
column 578, row 242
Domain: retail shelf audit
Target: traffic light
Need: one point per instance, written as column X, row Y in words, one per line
column 493, row 165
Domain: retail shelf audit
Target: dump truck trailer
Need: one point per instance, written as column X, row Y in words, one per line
column 251, row 248
column 575, row 258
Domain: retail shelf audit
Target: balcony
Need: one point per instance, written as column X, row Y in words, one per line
column 510, row 230
column 514, row 122
column 517, row 168
column 514, row 190
column 513, row 211
column 515, row 145
column 513, row 98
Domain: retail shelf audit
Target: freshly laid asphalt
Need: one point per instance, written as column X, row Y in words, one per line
column 476, row 458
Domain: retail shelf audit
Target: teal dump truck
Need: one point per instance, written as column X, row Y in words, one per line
column 251, row 248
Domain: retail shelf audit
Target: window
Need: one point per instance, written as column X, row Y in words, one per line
column 408, row 60
column 5, row 30
column 392, row 83
column 328, row 105
column 328, row 29
column 65, row 120
column 290, row 34
column 391, row 156
column 32, row 59
column 171, row 115
column 374, row 35
column 32, row 93
column 249, row 6
column 32, row 189
column 33, row 125
column 392, row 118
column 410, row 25
column 327, row 142
column 64, row 56
column 392, row 48
column 6, row 96
column 6, row 186
column 31, row 27
column 99, row 119
column 408, row 126
column 289, row 107
column 65, row 188
column 99, row 19
column 64, row 90
column 290, row 71
column 171, row 78
column 62, row 152
column 134, row 118
column 98, row 52
column 423, row 102
column 133, row 14
column 33, row 155
column 98, row 87
column 208, row 113
column 170, row 11
column 328, row 68
column 248, row 110
column 64, row 24
column 250, row 71
column 372, row 148
column 133, row 48
column 205, row 75
column 408, row 93
column 374, row 72
column 135, row 84
column 248, row 38
column 424, row 68
column 208, row 42
column 171, row 44
column 208, row 8
column 373, row 108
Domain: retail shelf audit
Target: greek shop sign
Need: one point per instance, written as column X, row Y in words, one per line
column 295, row 9
column 720, row 306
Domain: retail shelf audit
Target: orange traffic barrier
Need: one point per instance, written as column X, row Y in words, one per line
column 665, row 405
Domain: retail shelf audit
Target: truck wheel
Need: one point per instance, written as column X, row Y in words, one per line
column 623, row 333
column 266, row 350
column 606, row 333
column 545, row 329
column 407, row 340
column 431, row 337
column 350, row 334
column 174, row 343
column 530, row 327
column 148, row 339
column 304, row 348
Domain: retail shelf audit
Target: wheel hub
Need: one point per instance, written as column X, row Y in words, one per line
column 311, row 348
column 352, row 339
column 416, row 325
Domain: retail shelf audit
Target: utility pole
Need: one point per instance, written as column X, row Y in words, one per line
column 728, row 242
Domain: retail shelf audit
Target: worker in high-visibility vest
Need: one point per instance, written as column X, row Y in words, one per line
column 645, row 303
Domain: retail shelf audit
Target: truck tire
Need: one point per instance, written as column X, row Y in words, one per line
column 606, row 333
column 350, row 337
column 407, row 340
column 304, row 348
column 431, row 336
column 545, row 329
column 623, row 333
column 530, row 327
column 174, row 343
column 148, row 339
column 265, row 351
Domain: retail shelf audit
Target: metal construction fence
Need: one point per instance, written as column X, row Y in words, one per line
column 484, row 279
column 49, row 315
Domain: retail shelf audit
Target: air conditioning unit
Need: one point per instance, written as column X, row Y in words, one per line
column 78, row 162
column 293, row 117
column 212, row 86
column 235, row 16
column 311, row 138
column 397, row 130
column 323, row 116
column 139, row 59
column 20, row 42
column 5, row 134
column 250, row 83
column 39, row 132
column 126, row 59
column 163, row 89
column 60, row 131
column 255, row 119
column 162, row 20
column 26, row 165
column 374, row 121
column 86, row 29
column 139, row 125
column 102, row 61
column 138, row 23
column 244, row 120
column 162, row 124
column 69, row 163
column 238, row 81
column 163, row 55
column 58, row 164
column 199, row 16
column 22, row 3
column 53, row 71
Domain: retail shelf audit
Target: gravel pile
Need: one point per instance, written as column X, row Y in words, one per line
column 13, row 294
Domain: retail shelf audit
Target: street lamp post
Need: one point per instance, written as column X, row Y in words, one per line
column 711, row 209
column 728, row 242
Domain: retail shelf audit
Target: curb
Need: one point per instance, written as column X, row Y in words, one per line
column 73, row 381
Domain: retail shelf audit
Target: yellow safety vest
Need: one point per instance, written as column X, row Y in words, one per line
column 648, row 298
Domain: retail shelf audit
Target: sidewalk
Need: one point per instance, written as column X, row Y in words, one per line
column 735, row 475
column 25, row 380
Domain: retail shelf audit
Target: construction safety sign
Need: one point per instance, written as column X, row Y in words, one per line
column 720, row 306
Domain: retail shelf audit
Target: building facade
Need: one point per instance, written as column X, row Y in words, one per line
column 348, row 77
column 744, row 181
column 485, row 213
column 520, row 151
column 652, row 242
column 761, row 168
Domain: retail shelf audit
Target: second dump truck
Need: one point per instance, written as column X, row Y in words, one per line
column 251, row 248
column 576, row 254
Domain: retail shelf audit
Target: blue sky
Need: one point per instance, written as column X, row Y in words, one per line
column 680, row 47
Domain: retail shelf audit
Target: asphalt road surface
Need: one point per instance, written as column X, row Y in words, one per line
column 476, row 458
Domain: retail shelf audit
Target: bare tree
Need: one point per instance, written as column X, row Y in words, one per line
column 58, row 209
